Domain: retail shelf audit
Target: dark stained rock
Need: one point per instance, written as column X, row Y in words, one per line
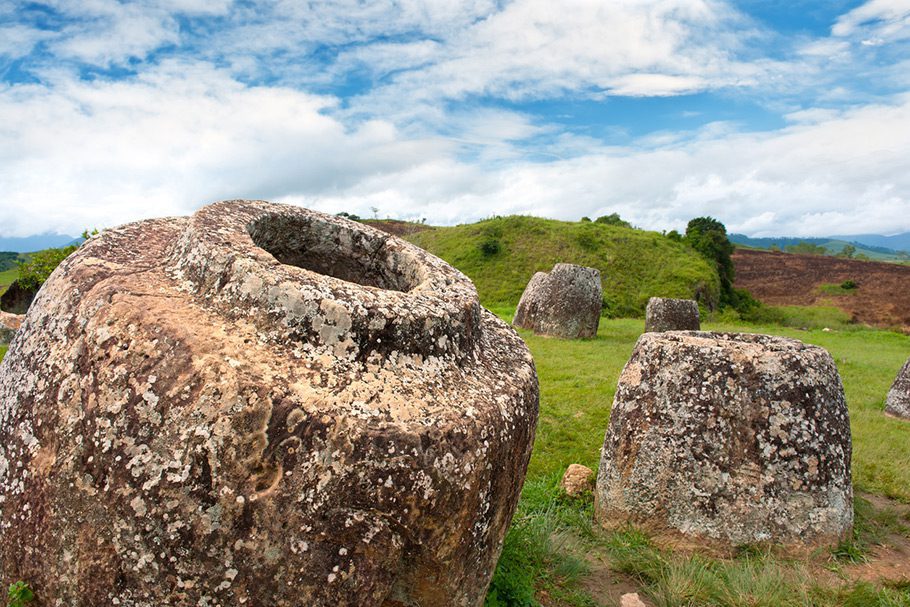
column 564, row 303
column 730, row 437
column 664, row 314
column 260, row 405
column 9, row 324
column 16, row 299
column 898, row 401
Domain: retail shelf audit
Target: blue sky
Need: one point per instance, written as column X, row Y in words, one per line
column 777, row 117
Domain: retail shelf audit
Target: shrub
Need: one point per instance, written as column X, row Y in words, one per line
column 613, row 219
column 490, row 247
column 19, row 594
column 848, row 251
column 848, row 285
column 36, row 270
column 806, row 248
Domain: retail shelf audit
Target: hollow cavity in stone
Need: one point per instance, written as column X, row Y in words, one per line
column 329, row 249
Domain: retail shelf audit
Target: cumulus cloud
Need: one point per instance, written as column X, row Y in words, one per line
column 420, row 137
column 829, row 173
column 77, row 154
column 536, row 48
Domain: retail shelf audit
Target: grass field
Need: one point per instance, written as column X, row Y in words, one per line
column 7, row 277
column 555, row 556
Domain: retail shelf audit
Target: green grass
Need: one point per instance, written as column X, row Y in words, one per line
column 7, row 277
column 500, row 255
column 837, row 289
column 550, row 536
column 2, row 351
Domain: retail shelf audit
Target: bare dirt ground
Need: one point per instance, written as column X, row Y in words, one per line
column 882, row 299
column 890, row 560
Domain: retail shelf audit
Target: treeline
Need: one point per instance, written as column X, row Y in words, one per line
column 9, row 260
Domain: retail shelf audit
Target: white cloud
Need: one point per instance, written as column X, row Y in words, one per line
column 878, row 20
column 538, row 48
column 109, row 32
column 74, row 153
column 831, row 173
column 18, row 40
column 418, row 142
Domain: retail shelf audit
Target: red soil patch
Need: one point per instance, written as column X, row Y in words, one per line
column 882, row 299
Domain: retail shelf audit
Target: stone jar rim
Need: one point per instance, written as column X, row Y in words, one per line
column 328, row 281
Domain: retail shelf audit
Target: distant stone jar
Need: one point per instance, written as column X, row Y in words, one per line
column 732, row 438
column 260, row 405
column 566, row 302
column 898, row 401
column 664, row 314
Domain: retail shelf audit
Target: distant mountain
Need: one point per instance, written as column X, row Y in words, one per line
column 898, row 242
column 774, row 241
column 832, row 244
column 29, row 244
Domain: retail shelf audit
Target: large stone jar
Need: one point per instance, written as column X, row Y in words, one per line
column 566, row 302
column 734, row 438
column 665, row 314
column 260, row 405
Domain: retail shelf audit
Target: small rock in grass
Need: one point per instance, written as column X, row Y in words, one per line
column 577, row 480
column 631, row 599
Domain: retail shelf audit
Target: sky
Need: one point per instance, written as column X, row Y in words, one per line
column 778, row 117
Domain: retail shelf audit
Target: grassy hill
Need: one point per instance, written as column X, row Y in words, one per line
column 7, row 277
column 500, row 255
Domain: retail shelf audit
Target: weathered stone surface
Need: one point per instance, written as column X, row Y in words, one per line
column 731, row 437
column 664, row 314
column 15, row 299
column 564, row 303
column 9, row 324
column 260, row 405
column 577, row 479
column 898, row 401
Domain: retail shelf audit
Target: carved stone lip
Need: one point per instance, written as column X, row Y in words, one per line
column 336, row 282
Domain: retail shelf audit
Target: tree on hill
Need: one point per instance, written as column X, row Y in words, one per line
column 708, row 236
column 848, row 251
column 613, row 219
column 35, row 271
column 8, row 260
column 806, row 248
